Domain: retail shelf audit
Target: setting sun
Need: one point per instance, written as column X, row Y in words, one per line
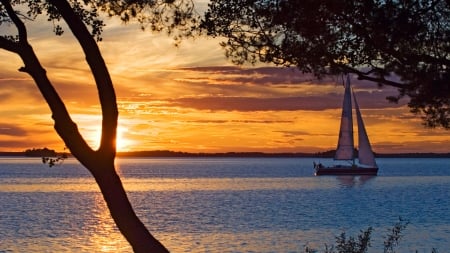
column 122, row 143
column 93, row 137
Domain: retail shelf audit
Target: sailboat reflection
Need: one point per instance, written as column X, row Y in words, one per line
column 352, row 181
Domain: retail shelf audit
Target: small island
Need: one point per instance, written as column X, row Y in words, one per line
column 40, row 152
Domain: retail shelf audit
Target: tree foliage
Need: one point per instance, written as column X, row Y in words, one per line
column 176, row 17
column 405, row 44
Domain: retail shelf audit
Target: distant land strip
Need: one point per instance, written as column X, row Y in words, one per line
column 168, row 153
column 327, row 154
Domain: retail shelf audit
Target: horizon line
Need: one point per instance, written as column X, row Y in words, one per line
column 170, row 153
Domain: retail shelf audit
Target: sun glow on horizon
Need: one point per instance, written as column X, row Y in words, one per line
column 123, row 143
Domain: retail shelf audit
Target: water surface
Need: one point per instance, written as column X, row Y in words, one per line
column 224, row 205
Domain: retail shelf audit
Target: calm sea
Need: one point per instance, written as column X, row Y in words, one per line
column 224, row 205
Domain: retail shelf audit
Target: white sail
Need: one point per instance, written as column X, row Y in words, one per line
column 345, row 148
column 365, row 154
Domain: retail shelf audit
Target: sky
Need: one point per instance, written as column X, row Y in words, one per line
column 192, row 99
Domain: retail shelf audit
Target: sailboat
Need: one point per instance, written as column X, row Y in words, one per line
column 345, row 149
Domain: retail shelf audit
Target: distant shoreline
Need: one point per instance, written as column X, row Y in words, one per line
column 327, row 154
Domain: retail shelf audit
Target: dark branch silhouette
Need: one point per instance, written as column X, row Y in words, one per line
column 404, row 44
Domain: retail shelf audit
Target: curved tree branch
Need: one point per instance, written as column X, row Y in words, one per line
column 366, row 76
column 101, row 75
column 101, row 164
column 64, row 125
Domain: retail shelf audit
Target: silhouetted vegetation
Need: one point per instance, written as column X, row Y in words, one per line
column 348, row 245
column 41, row 152
column 362, row 242
column 404, row 44
column 54, row 159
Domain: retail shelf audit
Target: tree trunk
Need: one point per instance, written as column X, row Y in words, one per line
column 121, row 210
column 101, row 162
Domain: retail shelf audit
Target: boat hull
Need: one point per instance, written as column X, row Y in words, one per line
column 354, row 171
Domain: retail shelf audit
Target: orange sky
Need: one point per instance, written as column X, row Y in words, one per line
column 192, row 99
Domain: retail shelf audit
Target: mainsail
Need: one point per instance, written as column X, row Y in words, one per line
column 365, row 154
column 345, row 148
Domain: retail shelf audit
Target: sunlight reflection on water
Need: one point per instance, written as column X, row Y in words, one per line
column 102, row 228
column 165, row 184
column 214, row 184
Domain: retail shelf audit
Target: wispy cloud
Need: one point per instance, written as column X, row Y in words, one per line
column 11, row 130
column 313, row 103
